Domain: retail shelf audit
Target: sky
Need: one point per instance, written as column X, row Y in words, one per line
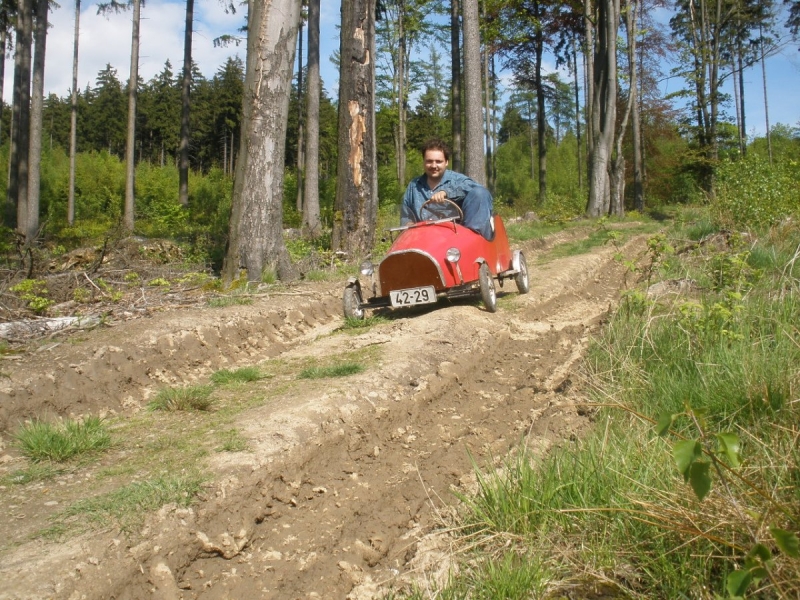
column 107, row 40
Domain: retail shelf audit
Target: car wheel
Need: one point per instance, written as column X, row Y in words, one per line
column 351, row 302
column 488, row 293
column 523, row 283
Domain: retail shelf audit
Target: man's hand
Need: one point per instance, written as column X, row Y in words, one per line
column 438, row 197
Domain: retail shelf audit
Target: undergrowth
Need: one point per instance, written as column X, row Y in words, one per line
column 688, row 485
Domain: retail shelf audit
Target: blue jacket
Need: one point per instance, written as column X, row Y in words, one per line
column 417, row 193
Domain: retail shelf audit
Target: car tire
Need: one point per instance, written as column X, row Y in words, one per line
column 351, row 303
column 522, row 279
column 488, row 293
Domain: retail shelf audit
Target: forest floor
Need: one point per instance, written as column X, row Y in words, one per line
column 326, row 488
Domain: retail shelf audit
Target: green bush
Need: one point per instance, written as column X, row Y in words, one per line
column 753, row 194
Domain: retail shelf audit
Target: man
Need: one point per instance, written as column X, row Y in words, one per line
column 438, row 185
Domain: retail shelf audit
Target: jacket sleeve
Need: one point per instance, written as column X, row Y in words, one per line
column 458, row 186
column 408, row 213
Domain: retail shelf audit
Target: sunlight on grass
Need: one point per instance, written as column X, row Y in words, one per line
column 39, row 440
column 126, row 506
column 197, row 397
column 241, row 375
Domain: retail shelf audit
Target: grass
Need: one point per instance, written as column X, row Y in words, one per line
column 125, row 507
column 241, row 375
column 196, row 397
column 60, row 442
column 335, row 370
column 231, row 440
column 611, row 511
column 224, row 301
column 351, row 323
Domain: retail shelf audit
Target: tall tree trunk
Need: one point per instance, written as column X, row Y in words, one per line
column 455, row 55
column 300, row 113
column 37, row 102
column 636, row 135
column 604, row 106
column 3, row 41
column 487, row 121
column 766, row 101
column 402, row 93
column 356, row 204
column 73, row 117
column 21, row 114
column 311, row 218
column 130, row 148
column 742, row 120
column 541, row 113
column 186, row 87
column 617, row 174
column 588, row 60
column 474, row 163
column 577, row 109
column 255, row 241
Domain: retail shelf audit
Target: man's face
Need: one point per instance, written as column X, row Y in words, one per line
column 435, row 163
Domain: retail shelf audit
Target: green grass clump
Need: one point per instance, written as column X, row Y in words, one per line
column 126, row 506
column 197, row 397
column 337, row 370
column 241, row 375
column 59, row 442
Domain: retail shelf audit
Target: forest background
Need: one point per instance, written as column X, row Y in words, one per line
column 669, row 134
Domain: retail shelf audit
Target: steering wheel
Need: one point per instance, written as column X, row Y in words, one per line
column 446, row 209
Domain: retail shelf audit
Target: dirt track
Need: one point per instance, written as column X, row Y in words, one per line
column 340, row 493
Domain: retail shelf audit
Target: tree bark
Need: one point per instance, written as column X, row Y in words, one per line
column 636, row 135
column 356, row 204
column 455, row 55
column 255, row 240
column 20, row 129
column 577, row 110
column 37, row 102
column 73, row 118
column 130, row 147
column 311, row 220
column 604, row 107
column 402, row 93
column 186, row 87
column 474, row 166
column 300, row 129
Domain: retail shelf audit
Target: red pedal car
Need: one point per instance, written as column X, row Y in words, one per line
column 437, row 258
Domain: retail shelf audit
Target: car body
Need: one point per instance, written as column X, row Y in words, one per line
column 434, row 259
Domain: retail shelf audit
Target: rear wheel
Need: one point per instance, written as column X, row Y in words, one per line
column 488, row 293
column 523, row 283
column 351, row 302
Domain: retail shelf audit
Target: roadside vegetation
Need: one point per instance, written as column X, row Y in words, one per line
column 687, row 485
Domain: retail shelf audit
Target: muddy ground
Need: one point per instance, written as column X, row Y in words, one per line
column 345, row 482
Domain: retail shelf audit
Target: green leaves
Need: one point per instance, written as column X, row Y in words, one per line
column 692, row 459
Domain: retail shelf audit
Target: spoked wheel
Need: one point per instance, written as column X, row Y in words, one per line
column 523, row 283
column 351, row 302
column 488, row 293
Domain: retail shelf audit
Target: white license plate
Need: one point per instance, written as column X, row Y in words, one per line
column 413, row 296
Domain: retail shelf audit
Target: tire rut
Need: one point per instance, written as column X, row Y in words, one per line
column 347, row 502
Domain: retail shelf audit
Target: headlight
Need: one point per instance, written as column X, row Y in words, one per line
column 453, row 255
column 367, row 268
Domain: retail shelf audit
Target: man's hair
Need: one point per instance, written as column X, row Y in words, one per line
column 436, row 144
